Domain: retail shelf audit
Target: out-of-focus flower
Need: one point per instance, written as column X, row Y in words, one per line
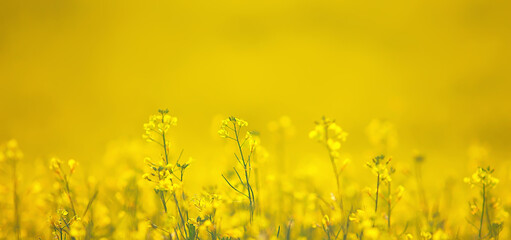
column 382, row 134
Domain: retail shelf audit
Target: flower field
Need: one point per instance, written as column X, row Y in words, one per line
column 255, row 120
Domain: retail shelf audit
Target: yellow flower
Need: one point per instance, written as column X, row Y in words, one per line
column 55, row 164
column 473, row 208
column 253, row 140
column 62, row 212
column 329, row 134
column 483, row 177
column 10, row 151
column 326, row 129
column 77, row 229
column 146, row 176
column 223, row 133
column 158, row 126
column 400, row 192
column 232, row 125
column 371, row 233
column 344, row 164
column 380, row 167
column 326, row 221
column 426, row 235
column 72, row 165
column 282, row 126
column 382, row 134
column 234, row 233
column 364, row 219
column 440, row 235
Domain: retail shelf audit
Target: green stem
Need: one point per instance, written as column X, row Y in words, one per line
column 488, row 220
column 162, row 196
column 68, row 193
column 337, row 180
column 482, row 213
column 16, row 201
column 180, row 214
column 377, row 193
column 389, row 207
column 345, row 234
column 247, row 178
column 164, row 142
column 334, row 168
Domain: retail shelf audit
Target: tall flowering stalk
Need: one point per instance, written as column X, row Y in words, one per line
column 483, row 178
column 231, row 129
column 380, row 167
column 69, row 223
column 11, row 153
column 330, row 135
column 167, row 176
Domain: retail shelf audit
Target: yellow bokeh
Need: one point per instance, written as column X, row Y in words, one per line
column 79, row 79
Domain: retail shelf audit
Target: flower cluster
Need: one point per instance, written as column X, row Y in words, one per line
column 327, row 132
column 482, row 177
column 283, row 126
column 164, row 175
column 167, row 176
column 230, row 127
column 367, row 222
column 380, row 167
column 10, row 151
column 206, row 204
column 69, row 221
column 56, row 165
column 142, row 195
column 158, row 126
column 202, row 213
column 11, row 155
column 382, row 135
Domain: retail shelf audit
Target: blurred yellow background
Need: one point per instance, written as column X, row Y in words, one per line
column 79, row 75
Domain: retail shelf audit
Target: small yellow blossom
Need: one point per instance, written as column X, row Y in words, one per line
column 483, row 177
column 426, row 235
column 329, row 133
column 232, row 125
column 72, row 165
column 380, row 167
column 158, row 126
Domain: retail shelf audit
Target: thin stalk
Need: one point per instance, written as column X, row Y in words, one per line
column 422, row 195
column 482, row 211
column 16, row 201
column 389, row 200
column 327, row 232
column 180, row 214
column 165, row 149
column 247, row 178
column 488, row 221
column 162, row 196
column 345, row 234
column 377, row 193
column 68, row 193
column 337, row 180
column 334, row 168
